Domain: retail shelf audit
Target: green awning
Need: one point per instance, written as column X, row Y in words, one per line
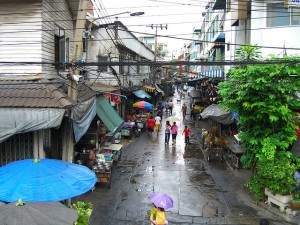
column 108, row 115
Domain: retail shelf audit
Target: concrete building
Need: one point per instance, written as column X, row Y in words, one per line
column 113, row 42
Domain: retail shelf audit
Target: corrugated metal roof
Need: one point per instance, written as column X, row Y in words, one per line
column 32, row 94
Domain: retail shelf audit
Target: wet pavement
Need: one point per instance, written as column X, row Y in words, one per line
column 203, row 192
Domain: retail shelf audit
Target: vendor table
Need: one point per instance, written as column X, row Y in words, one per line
column 116, row 150
column 235, row 152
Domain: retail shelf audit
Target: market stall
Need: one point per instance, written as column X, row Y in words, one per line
column 103, row 168
column 141, row 121
column 115, row 150
column 127, row 129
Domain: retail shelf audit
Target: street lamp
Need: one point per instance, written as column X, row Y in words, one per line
column 130, row 13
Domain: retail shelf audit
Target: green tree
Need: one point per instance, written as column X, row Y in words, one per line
column 265, row 98
column 248, row 52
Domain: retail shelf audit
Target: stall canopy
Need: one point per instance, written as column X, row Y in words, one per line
column 141, row 94
column 149, row 89
column 195, row 93
column 108, row 115
column 83, row 114
column 218, row 114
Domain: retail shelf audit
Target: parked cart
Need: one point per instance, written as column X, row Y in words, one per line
column 215, row 147
column 103, row 168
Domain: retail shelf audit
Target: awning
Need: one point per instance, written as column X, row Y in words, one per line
column 217, row 113
column 219, row 4
column 141, row 94
column 82, row 115
column 220, row 38
column 108, row 115
column 22, row 120
column 158, row 89
column 213, row 74
column 149, row 89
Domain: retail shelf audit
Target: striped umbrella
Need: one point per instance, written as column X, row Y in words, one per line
column 143, row 105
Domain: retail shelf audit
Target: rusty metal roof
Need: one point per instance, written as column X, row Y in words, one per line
column 39, row 94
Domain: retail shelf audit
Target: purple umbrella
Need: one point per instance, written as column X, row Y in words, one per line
column 161, row 200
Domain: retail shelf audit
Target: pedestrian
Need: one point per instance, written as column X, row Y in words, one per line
column 150, row 125
column 263, row 222
column 171, row 107
column 167, row 132
column 92, row 156
column 158, row 216
column 174, row 131
column 183, row 109
column 192, row 111
column 167, row 108
column 157, row 123
column 186, row 133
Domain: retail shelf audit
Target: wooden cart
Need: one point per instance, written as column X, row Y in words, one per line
column 215, row 147
column 104, row 177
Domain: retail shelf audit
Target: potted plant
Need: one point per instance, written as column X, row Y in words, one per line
column 295, row 202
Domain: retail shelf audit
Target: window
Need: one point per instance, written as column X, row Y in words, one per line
column 278, row 15
column 59, row 46
column 102, row 59
column 295, row 16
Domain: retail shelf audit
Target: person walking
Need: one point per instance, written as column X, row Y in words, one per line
column 183, row 109
column 192, row 111
column 150, row 125
column 186, row 133
column 174, row 131
column 158, row 216
column 167, row 132
column 171, row 107
column 157, row 123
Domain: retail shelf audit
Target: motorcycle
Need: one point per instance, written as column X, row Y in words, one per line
column 136, row 131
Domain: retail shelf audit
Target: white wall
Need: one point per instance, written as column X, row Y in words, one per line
column 20, row 36
column 102, row 45
column 27, row 35
column 276, row 37
column 55, row 14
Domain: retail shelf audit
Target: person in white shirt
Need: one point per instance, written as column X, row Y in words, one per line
column 157, row 123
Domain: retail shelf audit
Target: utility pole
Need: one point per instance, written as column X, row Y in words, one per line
column 77, row 48
column 67, row 140
column 155, row 50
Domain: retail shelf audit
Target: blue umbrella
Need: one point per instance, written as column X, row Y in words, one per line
column 41, row 180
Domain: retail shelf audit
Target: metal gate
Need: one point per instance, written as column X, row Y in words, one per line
column 17, row 147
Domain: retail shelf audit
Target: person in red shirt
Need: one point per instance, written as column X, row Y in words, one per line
column 186, row 133
column 150, row 125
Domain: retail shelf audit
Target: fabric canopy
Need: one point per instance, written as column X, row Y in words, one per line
column 141, row 94
column 82, row 115
column 108, row 115
column 22, row 120
column 217, row 114
column 149, row 89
